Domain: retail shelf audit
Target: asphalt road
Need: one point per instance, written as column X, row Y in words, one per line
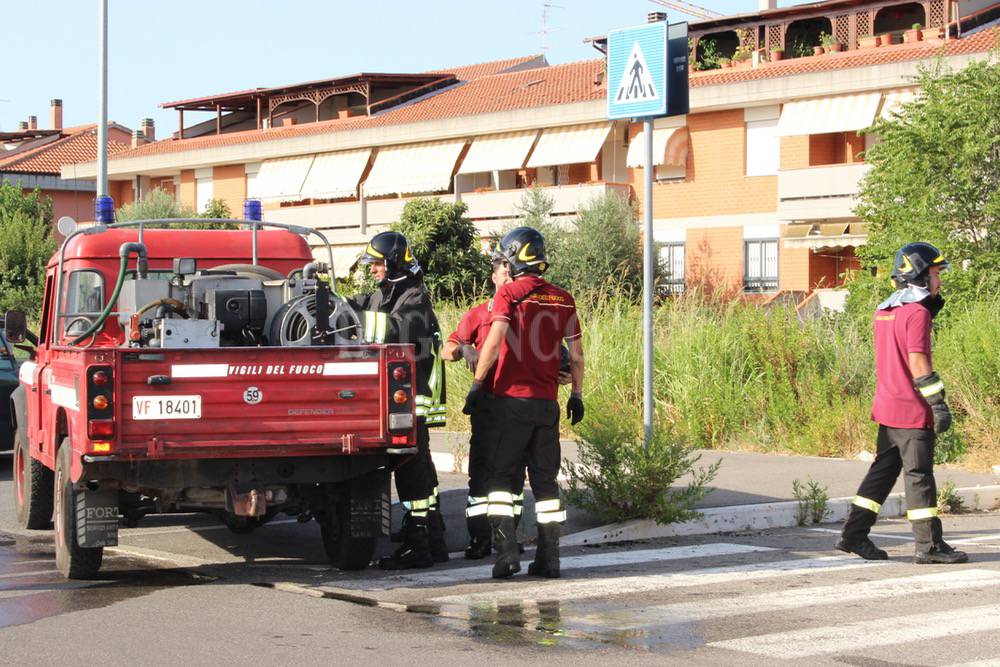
column 183, row 590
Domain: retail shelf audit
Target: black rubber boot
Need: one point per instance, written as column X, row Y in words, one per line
column 864, row 548
column 508, row 560
column 546, row 562
column 415, row 551
column 480, row 540
column 931, row 548
column 438, row 546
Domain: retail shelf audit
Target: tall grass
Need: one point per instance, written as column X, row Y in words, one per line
column 740, row 376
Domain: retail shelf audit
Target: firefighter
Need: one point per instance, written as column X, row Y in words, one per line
column 910, row 409
column 464, row 344
column 400, row 311
column 530, row 319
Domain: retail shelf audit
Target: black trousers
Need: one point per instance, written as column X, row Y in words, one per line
column 906, row 450
column 519, row 432
column 416, row 478
column 480, row 457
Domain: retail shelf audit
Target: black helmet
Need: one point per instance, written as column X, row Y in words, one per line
column 523, row 248
column 913, row 262
column 393, row 249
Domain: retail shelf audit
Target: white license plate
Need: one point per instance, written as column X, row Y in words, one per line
column 166, row 407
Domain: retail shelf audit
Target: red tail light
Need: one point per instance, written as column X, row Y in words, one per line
column 100, row 428
column 100, row 378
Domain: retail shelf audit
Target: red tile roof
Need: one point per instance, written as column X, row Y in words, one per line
column 559, row 84
column 49, row 158
column 478, row 71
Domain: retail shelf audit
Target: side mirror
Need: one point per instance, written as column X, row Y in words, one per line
column 15, row 326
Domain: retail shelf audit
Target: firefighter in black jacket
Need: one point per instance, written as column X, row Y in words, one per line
column 400, row 311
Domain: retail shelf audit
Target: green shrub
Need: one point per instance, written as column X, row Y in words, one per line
column 26, row 244
column 617, row 479
column 160, row 205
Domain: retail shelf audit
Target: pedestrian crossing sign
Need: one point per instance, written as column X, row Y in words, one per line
column 637, row 71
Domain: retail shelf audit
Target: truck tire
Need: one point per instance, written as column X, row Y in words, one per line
column 33, row 486
column 74, row 561
column 345, row 551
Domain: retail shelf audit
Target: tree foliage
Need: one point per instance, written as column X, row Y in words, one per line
column 26, row 244
column 446, row 244
column 158, row 204
column 935, row 177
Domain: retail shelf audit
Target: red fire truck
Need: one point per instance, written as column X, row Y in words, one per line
column 212, row 370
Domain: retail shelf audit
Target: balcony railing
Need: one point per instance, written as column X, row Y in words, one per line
column 816, row 193
column 769, row 284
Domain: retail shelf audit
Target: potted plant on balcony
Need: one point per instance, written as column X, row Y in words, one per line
column 741, row 57
column 868, row 41
column 912, row 35
column 726, row 63
column 887, row 39
column 777, row 53
column 830, row 43
column 818, row 50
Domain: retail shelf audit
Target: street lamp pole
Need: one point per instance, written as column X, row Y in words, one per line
column 102, row 74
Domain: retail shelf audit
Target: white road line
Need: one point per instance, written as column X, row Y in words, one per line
column 850, row 638
column 464, row 574
column 600, row 587
column 702, row 610
column 33, row 573
column 176, row 560
column 909, row 538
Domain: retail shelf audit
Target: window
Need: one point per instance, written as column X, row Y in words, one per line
column 672, row 257
column 670, row 172
column 202, row 193
column 760, row 259
column 84, row 298
column 763, row 148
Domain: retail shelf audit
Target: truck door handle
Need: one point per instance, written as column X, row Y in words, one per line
column 158, row 379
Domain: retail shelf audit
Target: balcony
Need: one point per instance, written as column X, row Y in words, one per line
column 819, row 193
column 352, row 223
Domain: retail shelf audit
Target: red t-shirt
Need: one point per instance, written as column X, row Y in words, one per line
column 540, row 315
column 472, row 330
column 899, row 331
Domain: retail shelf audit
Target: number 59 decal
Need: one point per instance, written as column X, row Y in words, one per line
column 252, row 396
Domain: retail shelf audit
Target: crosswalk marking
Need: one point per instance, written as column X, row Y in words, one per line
column 849, row 637
column 702, row 610
column 596, row 587
column 610, row 559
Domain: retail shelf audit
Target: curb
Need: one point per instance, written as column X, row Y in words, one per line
column 761, row 516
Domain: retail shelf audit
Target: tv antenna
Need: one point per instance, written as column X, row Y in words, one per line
column 688, row 9
column 546, row 27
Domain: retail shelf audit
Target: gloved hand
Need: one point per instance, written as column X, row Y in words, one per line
column 931, row 388
column 574, row 408
column 471, row 356
column 473, row 398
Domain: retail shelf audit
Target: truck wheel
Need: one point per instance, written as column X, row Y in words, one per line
column 33, row 488
column 74, row 561
column 345, row 551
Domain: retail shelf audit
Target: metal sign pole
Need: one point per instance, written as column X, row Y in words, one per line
column 102, row 73
column 647, row 290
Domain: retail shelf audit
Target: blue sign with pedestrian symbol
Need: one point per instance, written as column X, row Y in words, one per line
column 637, row 71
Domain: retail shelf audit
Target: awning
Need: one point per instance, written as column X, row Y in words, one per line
column 497, row 152
column 894, row 100
column 569, row 145
column 670, row 146
column 281, row 180
column 343, row 257
column 826, row 235
column 829, row 114
column 336, row 175
column 416, row 168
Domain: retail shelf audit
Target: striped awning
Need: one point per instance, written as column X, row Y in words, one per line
column 895, row 99
column 282, row 179
column 415, row 168
column 670, row 146
column 832, row 235
column 824, row 115
column 336, row 175
column 498, row 152
column 569, row 145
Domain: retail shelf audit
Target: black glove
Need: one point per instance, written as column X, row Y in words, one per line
column 574, row 408
column 473, row 398
column 931, row 388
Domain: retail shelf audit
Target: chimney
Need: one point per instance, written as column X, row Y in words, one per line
column 764, row 5
column 137, row 138
column 22, row 125
column 55, row 113
column 148, row 129
column 656, row 17
column 32, row 122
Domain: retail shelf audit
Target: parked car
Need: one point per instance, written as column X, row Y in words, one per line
column 8, row 383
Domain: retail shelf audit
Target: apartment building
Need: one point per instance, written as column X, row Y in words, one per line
column 754, row 188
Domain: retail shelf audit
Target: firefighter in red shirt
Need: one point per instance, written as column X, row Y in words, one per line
column 530, row 319
column 910, row 409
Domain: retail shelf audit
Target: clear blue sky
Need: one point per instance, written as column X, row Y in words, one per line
column 174, row 50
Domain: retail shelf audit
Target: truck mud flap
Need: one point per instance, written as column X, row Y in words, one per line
column 370, row 505
column 97, row 518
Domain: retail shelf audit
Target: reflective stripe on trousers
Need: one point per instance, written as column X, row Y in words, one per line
column 549, row 511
